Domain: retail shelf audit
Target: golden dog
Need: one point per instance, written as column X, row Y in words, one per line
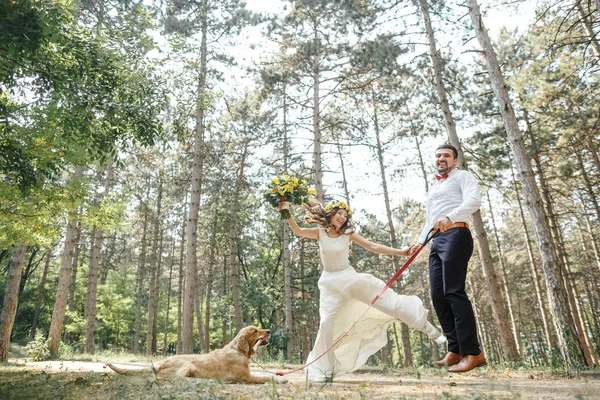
column 229, row 364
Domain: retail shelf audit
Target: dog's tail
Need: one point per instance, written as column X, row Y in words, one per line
column 126, row 371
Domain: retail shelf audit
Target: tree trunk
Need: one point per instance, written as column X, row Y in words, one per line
column 427, row 298
column 594, row 290
column 92, row 286
column 504, row 282
column 548, row 332
column 569, row 343
column 180, row 280
column 398, row 342
column 93, row 271
column 212, row 260
column 153, row 290
column 233, row 238
column 30, row 266
column 317, row 119
column 593, row 240
column 346, row 195
column 11, row 300
column 587, row 26
column 287, row 272
column 591, row 146
column 157, row 291
column 405, row 333
column 40, row 294
column 589, row 186
column 497, row 302
column 187, row 346
column 60, row 303
column 563, row 261
column 199, row 324
column 482, row 332
column 139, row 282
column 72, row 283
column 306, row 340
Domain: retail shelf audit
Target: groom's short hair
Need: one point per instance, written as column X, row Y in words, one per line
column 448, row 146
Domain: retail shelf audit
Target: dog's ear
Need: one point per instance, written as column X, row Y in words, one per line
column 251, row 339
column 240, row 342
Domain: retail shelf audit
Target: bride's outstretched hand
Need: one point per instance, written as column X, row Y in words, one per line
column 284, row 205
column 411, row 250
column 404, row 252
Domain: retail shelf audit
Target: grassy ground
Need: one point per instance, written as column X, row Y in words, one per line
column 87, row 379
column 21, row 381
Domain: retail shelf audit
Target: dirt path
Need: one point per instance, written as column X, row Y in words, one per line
column 483, row 383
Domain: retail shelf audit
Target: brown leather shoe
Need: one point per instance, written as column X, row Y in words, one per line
column 468, row 362
column 450, row 359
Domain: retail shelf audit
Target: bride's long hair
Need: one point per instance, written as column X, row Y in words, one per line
column 318, row 215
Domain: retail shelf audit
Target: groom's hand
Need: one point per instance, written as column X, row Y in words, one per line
column 441, row 224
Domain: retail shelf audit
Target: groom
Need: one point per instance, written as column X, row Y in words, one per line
column 451, row 201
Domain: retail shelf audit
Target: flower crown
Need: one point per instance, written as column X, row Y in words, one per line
column 337, row 204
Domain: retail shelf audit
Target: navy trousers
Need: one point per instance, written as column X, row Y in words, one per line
column 448, row 260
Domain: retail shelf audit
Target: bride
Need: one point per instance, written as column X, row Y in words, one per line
column 345, row 294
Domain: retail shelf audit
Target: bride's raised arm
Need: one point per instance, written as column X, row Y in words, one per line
column 311, row 233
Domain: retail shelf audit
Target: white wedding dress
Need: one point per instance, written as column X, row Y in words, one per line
column 344, row 296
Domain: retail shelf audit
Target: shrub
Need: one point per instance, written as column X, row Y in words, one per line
column 37, row 350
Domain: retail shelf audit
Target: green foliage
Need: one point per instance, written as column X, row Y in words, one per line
column 37, row 350
column 89, row 97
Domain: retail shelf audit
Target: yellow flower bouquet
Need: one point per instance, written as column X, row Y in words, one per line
column 287, row 189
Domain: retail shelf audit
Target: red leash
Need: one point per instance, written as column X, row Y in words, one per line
column 392, row 280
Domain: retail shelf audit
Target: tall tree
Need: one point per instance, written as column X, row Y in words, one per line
column 40, row 295
column 60, row 304
column 569, row 344
column 96, row 239
column 215, row 20
column 11, row 300
column 155, row 253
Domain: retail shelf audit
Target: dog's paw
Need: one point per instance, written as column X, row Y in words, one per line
column 279, row 379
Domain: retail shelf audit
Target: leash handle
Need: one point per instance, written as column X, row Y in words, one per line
column 431, row 235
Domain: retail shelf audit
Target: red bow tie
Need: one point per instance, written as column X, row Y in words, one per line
column 440, row 177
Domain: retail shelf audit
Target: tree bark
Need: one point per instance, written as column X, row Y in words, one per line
column 94, row 269
column 60, row 303
column 287, row 272
column 593, row 292
column 192, row 228
column 199, row 315
column 346, row 194
column 212, row 260
column 569, row 344
column 497, row 302
column 504, row 282
column 317, row 117
column 72, row 283
column 408, row 361
column 180, row 280
column 589, row 186
column 139, row 282
column 427, row 298
column 153, row 290
column 40, row 294
column 11, row 300
column 548, row 332
column 233, row 238
column 587, row 26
